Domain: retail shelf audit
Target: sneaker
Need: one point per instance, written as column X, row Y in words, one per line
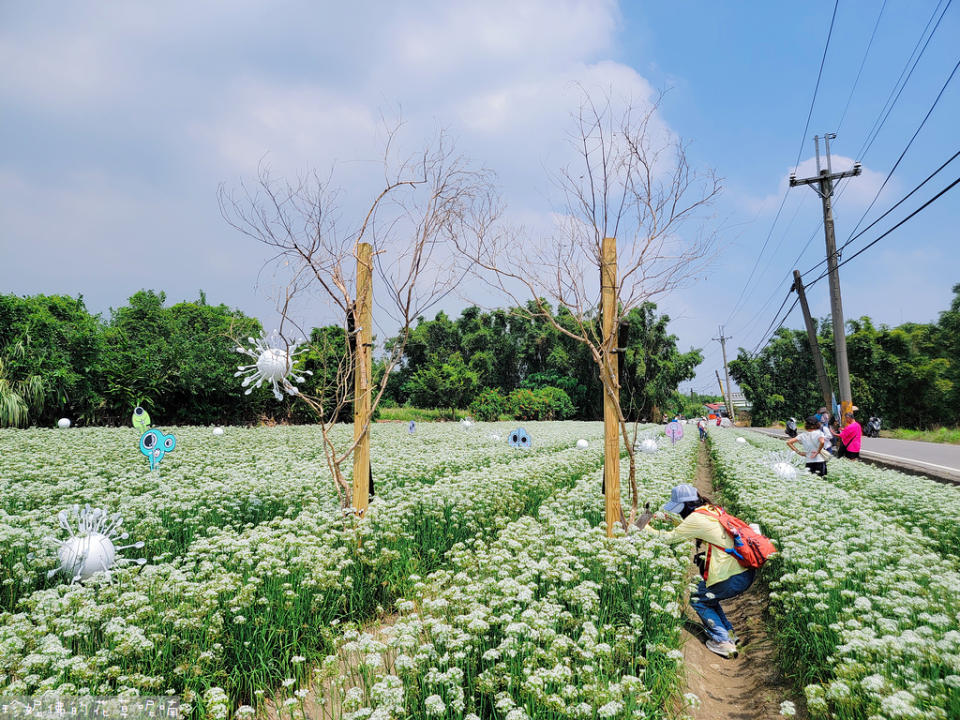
column 724, row 649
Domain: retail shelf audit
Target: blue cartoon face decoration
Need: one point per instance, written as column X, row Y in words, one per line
column 412, row 429
column 519, row 439
column 154, row 444
column 141, row 419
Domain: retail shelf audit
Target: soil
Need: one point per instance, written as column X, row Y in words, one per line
column 749, row 686
column 320, row 703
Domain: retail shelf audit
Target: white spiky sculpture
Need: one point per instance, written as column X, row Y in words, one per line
column 275, row 363
column 91, row 549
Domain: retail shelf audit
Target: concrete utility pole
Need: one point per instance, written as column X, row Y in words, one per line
column 720, row 383
column 611, row 420
column 726, row 374
column 822, row 184
column 814, row 345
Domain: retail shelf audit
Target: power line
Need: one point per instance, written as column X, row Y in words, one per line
column 767, row 334
column 882, row 117
column 901, row 200
column 770, row 333
column 862, row 63
column 908, row 217
column 803, row 137
column 756, row 262
column 813, row 100
column 775, row 316
column 905, row 149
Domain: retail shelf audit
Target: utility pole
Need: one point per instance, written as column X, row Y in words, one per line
column 814, row 345
column 611, row 420
column 720, row 383
column 822, row 184
column 726, row 373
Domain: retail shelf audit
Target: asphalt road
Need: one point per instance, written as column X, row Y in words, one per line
column 940, row 460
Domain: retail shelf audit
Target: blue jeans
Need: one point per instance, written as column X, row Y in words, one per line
column 706, row 602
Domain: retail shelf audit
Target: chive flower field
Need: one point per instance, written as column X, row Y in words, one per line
column 481, row 583
column 865, row 592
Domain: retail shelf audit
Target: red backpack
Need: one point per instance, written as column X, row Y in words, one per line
column 750, row 548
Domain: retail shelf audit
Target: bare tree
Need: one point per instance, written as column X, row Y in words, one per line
column 426, row 205
column 631, row 180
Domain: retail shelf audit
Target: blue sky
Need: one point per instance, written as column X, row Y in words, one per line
column 120, row 121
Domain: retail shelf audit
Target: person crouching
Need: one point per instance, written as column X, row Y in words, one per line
column 723, row 577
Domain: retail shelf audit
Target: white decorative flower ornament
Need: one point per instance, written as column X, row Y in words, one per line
column 91, row 548
column 276, row 363
column 785, row 464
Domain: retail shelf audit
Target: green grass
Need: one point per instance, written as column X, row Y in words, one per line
column 405, row 413
column 937, row 435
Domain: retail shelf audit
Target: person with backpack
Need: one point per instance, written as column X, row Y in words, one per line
column 812, row 442
column 728, row 565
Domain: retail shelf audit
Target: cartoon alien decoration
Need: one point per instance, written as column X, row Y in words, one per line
column 91, row 548
column 154, row 444
column 141, row 419
column 412, row 428
column 275, row 362
column 519, row 439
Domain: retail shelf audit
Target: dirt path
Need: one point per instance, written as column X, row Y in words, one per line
column 322, row 701
column 750, row 686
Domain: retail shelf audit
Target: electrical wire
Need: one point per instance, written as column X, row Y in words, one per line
column 816, row 88
column 882, row 117
column 862, row 63
column 770, row 333
column 900, row 201
column 803, row 139
column 899, row 224
column 905, row 149
column 775, row 316
column 873, row 242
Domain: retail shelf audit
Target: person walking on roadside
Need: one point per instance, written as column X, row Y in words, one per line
column 723, row 576
column 812, row 442
column 850, row 436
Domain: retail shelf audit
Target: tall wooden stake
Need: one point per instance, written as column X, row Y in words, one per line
column 611, row 420
column 362, row 380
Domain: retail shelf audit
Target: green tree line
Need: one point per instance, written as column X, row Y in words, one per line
column 535, row 371
column 59, row 360
column 909, row 375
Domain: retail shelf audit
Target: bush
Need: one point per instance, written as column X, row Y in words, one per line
column 523, row 404
column 555, row 404
column 546, row 403
column 488, row 405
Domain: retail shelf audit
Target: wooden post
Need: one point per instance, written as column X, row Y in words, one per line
column 611, row 421
column 361, row 380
